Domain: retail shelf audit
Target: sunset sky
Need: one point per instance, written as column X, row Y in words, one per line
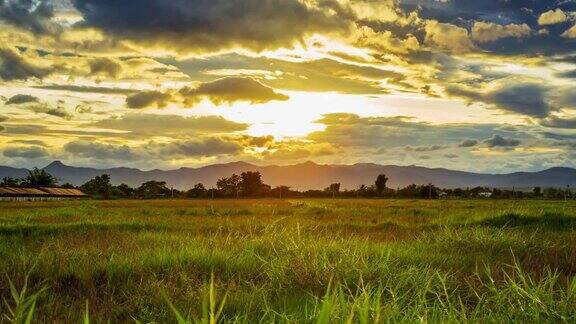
column 475, row 85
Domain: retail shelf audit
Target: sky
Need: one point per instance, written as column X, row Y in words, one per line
column 482, row 86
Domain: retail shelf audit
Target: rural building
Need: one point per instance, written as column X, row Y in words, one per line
column 42, row 193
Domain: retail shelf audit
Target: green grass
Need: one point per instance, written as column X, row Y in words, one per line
column 288, row 261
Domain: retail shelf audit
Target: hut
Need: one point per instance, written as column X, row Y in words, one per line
column 42, row 193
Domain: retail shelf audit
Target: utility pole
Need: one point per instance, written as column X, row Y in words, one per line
column 212, row 200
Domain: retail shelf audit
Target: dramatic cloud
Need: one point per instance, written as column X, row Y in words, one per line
column 552, row 17
column 570, row 33
column 555, row 122
column 499, row 141
column 200, row 26
column 230, row 90
column 350, row 130
column 100, row 151
column 146, row 99
column 525, row 98
column 16, row 66
column 448, row 37
column 468, row 143
column 170, row 125
column 443, row 83
column 31, row 152
column 35, row 16
column 314, row 75
column 106, row 67
column 21, row 99
column 484, row 32
column 210, row 146
column 225, row 90
column 36, row 105
column 205, row 147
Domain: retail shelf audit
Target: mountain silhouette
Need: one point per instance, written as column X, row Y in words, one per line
column 310, row 175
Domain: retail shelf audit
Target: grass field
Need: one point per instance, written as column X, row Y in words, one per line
column 300, row 261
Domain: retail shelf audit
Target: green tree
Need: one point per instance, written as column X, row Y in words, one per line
column 198, row 191
column 99, row 187
column 123, row 191
column 229, row 187
column 10, row 182
column 333, row 189
column 39, row 178
column 153, row 189
column 252, row 184
column 380, row 183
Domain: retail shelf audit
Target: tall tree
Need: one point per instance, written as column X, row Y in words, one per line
column 197, row 192
column 333, row 189
column 100, row 187
column 251, row 184
column 380, row 183
column 123, row 191
column 39, row 178
column 229, row 187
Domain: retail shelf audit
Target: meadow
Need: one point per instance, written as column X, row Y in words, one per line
column 288, row 261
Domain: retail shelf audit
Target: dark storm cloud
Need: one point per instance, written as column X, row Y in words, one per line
column 468, row 143
column 14, row 66
column 567, row 74
column 525, row 98
column 555, row 122
column 209, row 25
column 225, row 90
column 36, row 105
column 210, row 146
column 499, row 141
column 150, row 98
column 35, row 16
column 205, row 147
column 100, row 151
column 32, row 152
column 105, row 66
column 21, row 99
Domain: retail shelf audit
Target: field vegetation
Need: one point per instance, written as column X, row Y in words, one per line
column 293, row 261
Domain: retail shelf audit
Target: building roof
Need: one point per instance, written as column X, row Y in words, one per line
column 63, row 192
column 43, row 191
column 17, row 191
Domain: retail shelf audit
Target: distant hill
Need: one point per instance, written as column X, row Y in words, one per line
column 312, row 176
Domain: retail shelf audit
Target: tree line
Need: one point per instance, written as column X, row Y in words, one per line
column 250, row 185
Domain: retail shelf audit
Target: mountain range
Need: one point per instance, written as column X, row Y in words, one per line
column 310, row 175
